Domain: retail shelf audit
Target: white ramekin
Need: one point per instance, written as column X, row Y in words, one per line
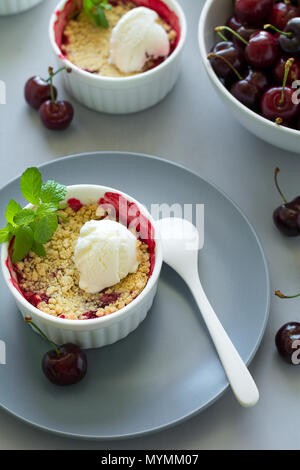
column 126, row 94
column 10, row 7
column 215, row 13
column 98, row 332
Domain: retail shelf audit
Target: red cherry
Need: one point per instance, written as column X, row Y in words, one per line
column 286, row 340
column 232, row 53
column 37, row 90
column 64, row 365
column 253, row 11
column 66, row 368
column 56, row 115
column 250, row 89
column 278, row 70
column 262, row 50
column 273, row 106
column 283, row 12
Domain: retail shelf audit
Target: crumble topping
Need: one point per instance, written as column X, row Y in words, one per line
column 88, row 45
column 52, row 283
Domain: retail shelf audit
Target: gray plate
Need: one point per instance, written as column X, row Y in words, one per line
column 167, row 370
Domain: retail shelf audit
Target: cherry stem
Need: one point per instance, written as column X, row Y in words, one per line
column 55, row 73
column 287, row 68
column 284, row 33
column 282, row 296
column 28, row 320
column 51, row 75
column 217, row 56
column 224, row 38
column 276, row 171
column 226, row 28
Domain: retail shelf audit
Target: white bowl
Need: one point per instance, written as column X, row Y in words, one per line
column 10, row 7
column 104, row 330
column 216, row 13
column 119, row 95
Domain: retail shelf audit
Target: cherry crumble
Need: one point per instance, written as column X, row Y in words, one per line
column 52, row 283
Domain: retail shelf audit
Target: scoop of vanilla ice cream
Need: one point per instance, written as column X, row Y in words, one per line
column 105, row 253
column 136, row 37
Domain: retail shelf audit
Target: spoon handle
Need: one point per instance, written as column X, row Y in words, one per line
column 239, row 377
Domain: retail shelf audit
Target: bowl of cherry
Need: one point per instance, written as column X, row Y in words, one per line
column 251, row 53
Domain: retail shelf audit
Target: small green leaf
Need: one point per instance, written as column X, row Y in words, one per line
column 31, row 183
column 44, row 228
column 24, row 217
column 22, row 243
column 45, row 208
column 102, row 20
column 62, row 217
column 12, row 209
column 5, row 234
column 38, row 249
column 106, row 5
column 53, row 192
column 95, row 10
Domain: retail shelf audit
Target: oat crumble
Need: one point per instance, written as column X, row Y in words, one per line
column 55, row 279
column 88, row 46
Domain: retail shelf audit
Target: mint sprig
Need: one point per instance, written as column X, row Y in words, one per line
column 95, row 9
column 32, row 228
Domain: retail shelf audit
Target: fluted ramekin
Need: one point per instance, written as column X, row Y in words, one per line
column 101, row 331
column 121, row 95
column 10, row 7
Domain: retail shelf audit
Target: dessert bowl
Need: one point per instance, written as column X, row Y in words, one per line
column 118, row 95
column 10, row 7
column 216, row 13
column 89, row 333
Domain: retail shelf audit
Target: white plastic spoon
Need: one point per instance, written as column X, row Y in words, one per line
column 180, row 241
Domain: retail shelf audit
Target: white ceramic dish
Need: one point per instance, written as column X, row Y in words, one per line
column 125, row 94
column 10, row 7
column 101, row 331
column 215, row 13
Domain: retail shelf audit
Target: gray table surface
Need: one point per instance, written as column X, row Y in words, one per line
column 191, row 127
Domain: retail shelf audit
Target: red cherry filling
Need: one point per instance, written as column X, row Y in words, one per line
column 34, row 298
column 75, row 204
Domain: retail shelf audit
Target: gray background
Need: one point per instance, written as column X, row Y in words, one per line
column 191, row 127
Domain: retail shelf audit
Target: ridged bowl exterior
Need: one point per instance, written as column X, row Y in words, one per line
column 98, row 336
column 10, row 7
column 99, row 332
column 127, row 94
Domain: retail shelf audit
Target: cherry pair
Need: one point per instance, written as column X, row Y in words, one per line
column 41, row 94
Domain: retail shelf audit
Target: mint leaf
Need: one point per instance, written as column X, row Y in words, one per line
column 44, row 228
column 24, row 217
column 22, row 243
column 101, row 18
column 31, row 183
column 5, row 234
column 94, row 9
column 53, row 192
column 38, row 249
column 12, row 209
column 45, row 208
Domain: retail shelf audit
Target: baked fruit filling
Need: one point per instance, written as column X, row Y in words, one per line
column 52, row 283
